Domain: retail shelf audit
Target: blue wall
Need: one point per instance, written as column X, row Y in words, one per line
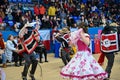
column 93, row 31
column 7, row 33
column 54, row 47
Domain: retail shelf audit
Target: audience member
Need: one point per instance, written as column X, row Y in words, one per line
column 16, row 56
column 2, row 51
column 10, row 48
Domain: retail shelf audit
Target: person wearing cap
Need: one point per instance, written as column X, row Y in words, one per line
column 30, row 57
column 63, row 38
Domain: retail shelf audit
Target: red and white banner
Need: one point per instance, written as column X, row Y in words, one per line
column 109, row 42
column 45, row 37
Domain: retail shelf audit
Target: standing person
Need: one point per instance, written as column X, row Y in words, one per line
column 52, row 11
column 110, row 57
column 42, row 11
column 2, row 48
column 28, row 38
column 83, row 65
column 63, row 38
column 36, row 10
column 40, row 49
column 2, row 73
column 10, row 48
column 16, row 56
column 110, row 52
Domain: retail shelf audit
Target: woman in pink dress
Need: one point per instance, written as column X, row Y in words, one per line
column 83, row 65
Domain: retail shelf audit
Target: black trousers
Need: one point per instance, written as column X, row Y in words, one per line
column 17, row 58
column 43, row 51
column 29, row 59
column 110, row 57
column 65, row 56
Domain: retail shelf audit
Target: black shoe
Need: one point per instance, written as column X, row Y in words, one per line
column 16, row 64
column 41, row 62
column 46, row 60
column 24, row 78
column 21, row 64
column 32, row 77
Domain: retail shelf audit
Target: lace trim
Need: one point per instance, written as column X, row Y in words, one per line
column 98, row 76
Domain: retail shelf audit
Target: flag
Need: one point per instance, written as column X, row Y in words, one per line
column 45, row 37
column 109, row 42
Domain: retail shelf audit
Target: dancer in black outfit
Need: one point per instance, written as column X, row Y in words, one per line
column 29, row 57
column 63, row 38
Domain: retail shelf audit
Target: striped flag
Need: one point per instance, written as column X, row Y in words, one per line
column 109, row 42
column 45, row 37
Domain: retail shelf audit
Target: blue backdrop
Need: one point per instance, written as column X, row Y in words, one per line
column 55, row 48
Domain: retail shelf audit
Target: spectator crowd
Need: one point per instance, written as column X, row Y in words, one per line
column 58, row 14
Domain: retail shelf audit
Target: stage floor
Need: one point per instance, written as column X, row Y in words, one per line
column 50, row 70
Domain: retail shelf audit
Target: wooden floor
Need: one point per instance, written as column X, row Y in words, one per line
column 50, row 70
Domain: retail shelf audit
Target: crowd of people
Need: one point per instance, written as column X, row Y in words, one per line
column 55, row 13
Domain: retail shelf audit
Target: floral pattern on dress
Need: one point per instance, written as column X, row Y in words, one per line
column 83, row 66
